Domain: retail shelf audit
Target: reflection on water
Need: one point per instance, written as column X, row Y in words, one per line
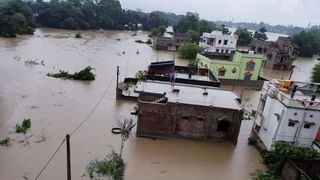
column 57, row 106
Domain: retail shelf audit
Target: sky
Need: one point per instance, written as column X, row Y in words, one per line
column 284, row 12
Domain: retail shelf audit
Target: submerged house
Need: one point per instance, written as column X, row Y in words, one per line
column 242, row 66
column 289, row 111
column 190, row 111
column 280, row 54
column 172, row 43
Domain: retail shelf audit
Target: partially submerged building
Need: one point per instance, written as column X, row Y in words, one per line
column 218, row 44
column 172, row 43
column 280, row 54
column 242, row 66
column 288, row 111
column 189, row 111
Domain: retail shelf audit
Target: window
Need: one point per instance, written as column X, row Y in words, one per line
column 227, row 51
column 223, row 126
column 291, row 124
column 225, row 42
column 222, row 71
column 217, row 50
column 222, row 50
column 219, row 42
column 250, row 65
column 307, row 126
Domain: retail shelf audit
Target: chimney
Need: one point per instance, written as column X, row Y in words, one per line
column 294, row 89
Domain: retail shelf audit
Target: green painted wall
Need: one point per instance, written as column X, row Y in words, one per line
column 235, row 69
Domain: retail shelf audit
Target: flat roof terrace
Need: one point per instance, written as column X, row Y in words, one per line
column 189, row 94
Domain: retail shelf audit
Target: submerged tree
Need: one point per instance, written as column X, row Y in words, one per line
column 316, row 74
column 260, row 34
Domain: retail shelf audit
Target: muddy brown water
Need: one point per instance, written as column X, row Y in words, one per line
column 57, row 106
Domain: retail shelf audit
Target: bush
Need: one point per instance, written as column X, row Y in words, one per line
column 149, row 41
column 316, row 74
column 5, row 142
column 78, row 35
column 26, row 124
column 113, row 165
column 141, row 75
column 189, row 51
column 252, row 141
column 275, row 158
column 85, row 74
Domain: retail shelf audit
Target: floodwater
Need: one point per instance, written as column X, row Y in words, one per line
column 56, row 107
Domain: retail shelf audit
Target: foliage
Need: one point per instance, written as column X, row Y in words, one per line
column 252, row 141
column 141, row 75
column 244, row 37
column 148, row 41
column 26, row 124
column 189, row 22
column 5, row 142
column 113, row 165
column 260, row 34
column 84, row 74
column 154, row 32
column 275, row 158
column 16, row 18
column 78, row 35
column 195, row 36
column 316, row 74
column 308, row 42
column 224, row 29
column 189, row 51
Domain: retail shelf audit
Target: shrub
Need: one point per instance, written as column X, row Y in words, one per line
column 189, row 51
column 275, row 158
column 149, row 41
column 84, row 74
column 26, row 124
column 252, row 141
column 5, row 142
column 78, row 35
column 113, row 165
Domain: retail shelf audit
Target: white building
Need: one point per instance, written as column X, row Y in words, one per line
column 217, row 42
column 288, row 111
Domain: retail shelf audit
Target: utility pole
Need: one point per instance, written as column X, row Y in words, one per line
column 117, row 93
column 68, row 157
column 291, row 71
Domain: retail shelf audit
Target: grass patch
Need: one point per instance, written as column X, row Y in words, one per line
column 112, row 166
column 26, row 124
column 5, row 142
column 85, row 74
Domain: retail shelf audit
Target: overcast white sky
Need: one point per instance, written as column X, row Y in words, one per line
column 296, row 12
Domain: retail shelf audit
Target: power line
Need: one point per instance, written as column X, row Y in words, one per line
column 94, row 108
column 78, row 127
column 45, row 166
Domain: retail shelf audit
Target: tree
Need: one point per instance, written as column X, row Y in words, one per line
column 188, row 22
column 316, row 74
column 16, row 18
column 308, row 42
column 154, row 32
column 260, row 34
column 224, row 29
column 206, row 26
column 244, row 37
column 194, row 36
column 189, row 51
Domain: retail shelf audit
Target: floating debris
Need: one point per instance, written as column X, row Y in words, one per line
column 31, row 62
column 137, row 52
column 123, row 52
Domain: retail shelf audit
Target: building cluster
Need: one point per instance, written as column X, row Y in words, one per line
column 179, row 101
